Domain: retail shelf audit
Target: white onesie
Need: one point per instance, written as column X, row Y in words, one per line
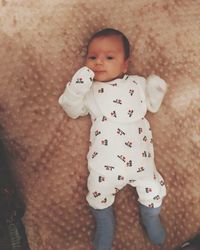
column 121, row 150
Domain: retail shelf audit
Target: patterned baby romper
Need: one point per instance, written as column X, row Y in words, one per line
column 121, row 150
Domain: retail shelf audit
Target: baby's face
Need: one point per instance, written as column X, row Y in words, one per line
column 106, row 58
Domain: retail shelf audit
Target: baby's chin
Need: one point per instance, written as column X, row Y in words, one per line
column 102, row 79
column 106, row 79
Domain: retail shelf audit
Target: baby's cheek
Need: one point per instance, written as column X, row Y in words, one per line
column 88, row 64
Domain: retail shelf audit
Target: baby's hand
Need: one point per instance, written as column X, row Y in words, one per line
column 157, row 83
column 82, row 80
column 155, row 91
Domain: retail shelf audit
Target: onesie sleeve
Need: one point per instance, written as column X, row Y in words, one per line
column 72, row 99
column 155, row 91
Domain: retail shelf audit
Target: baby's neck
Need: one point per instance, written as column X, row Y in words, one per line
column 120, row 76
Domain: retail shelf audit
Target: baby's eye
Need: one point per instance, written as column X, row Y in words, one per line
column 92, row 57
column 109, row 57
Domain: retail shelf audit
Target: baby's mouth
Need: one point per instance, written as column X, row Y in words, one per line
column 100, row 71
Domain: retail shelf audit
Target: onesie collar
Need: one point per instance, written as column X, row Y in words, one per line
column 115, row 81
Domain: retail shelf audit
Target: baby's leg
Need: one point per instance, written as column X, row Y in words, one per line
column 101, row 195
column 151, row 193
column 151, row 220
column 105, row 224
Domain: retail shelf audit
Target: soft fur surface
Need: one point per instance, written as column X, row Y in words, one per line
column 41, row 45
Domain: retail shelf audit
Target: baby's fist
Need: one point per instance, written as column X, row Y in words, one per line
column 82, row 80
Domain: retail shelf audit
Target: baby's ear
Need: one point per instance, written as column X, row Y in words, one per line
column 126, row 63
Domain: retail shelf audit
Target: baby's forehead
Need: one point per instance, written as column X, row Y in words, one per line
column 107, row 38
column 111, row 43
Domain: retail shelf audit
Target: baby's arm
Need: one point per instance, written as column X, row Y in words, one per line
column 155, row 91
column 72, row 100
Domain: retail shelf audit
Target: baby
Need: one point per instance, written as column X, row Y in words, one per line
column 121, row 150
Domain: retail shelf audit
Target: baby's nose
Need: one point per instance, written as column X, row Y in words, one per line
column 99, row 60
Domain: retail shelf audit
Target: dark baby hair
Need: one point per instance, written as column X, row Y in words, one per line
column 113, row 32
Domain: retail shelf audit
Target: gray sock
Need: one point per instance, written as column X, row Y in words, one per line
column 105, row 224
column 151, row 220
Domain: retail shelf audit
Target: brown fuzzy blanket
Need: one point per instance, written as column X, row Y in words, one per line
column 41, row 45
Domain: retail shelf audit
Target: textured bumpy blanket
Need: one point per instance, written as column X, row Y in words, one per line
column 42, row 43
